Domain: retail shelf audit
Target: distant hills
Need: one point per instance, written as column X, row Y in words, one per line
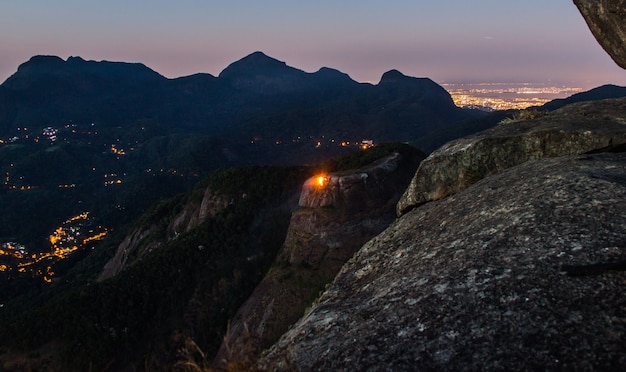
column 125, row 123
column 257, row 96
column 255, row 99
column 603, row 92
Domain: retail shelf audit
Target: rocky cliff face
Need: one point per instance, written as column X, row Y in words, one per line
column 136, row 244
column 337, row 214
column 520, row 271
column 574, row 129
column 606, row 21
column 350, row 189
column 522, row 268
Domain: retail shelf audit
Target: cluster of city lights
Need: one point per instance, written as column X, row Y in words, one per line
column 74, row 234
column 502, row 96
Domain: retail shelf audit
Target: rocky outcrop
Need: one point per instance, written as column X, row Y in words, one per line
column 606, row 21
column 574, row 129
column 142, row 241
column 128, row 245
column 336, row 217
column 194, row 214
column 344, row 188
column 523, row 270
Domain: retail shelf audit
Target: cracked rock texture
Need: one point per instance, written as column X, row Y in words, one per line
column 521, row 271
column 574, row 129
column 606, row 20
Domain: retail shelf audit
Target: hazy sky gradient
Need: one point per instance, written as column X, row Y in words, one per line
column 448, row 40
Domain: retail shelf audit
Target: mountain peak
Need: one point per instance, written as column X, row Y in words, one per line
column 41, row 61
column 332, row 73
column 50, row 70
column 393, row 76
column 257, row 63
column 38, row 59
column 259, row 56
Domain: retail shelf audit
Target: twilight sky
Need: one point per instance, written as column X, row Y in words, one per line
column 448, row 40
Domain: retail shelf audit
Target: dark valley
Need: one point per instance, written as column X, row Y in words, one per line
column 89, row 137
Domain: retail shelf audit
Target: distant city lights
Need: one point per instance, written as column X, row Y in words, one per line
column 504, row 96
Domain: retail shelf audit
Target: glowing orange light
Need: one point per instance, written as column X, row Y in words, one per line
column 321, row 181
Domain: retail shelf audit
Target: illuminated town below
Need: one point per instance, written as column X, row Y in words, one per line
column 74, row 234
column 505, row 96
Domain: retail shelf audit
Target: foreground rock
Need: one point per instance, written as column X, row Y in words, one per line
column 522, row 270
column 338, row 214
column 575, row 129
column 606, row 21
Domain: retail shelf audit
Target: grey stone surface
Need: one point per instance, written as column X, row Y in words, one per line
column 574, row 129
column 524, row 270
column 607, row 21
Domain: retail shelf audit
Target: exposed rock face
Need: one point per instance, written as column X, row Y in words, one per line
column 574, row 129
column 195, row 214
column 337, row 189
column 334, row 221
column 522, row 270
column 192, row 215
column 606, row 21
column 129, row 244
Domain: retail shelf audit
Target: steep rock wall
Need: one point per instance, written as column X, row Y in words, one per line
column 333, row 221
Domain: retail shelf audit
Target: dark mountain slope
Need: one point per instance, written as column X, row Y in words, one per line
column 43, row 69
column 185, row 267
column 603, row 92
column 398, row 108
column 183, row 282
column 49, row 91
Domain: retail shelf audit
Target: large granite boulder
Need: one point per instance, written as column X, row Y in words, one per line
column 606, row 20
column 523, row 270
column 575, row 129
